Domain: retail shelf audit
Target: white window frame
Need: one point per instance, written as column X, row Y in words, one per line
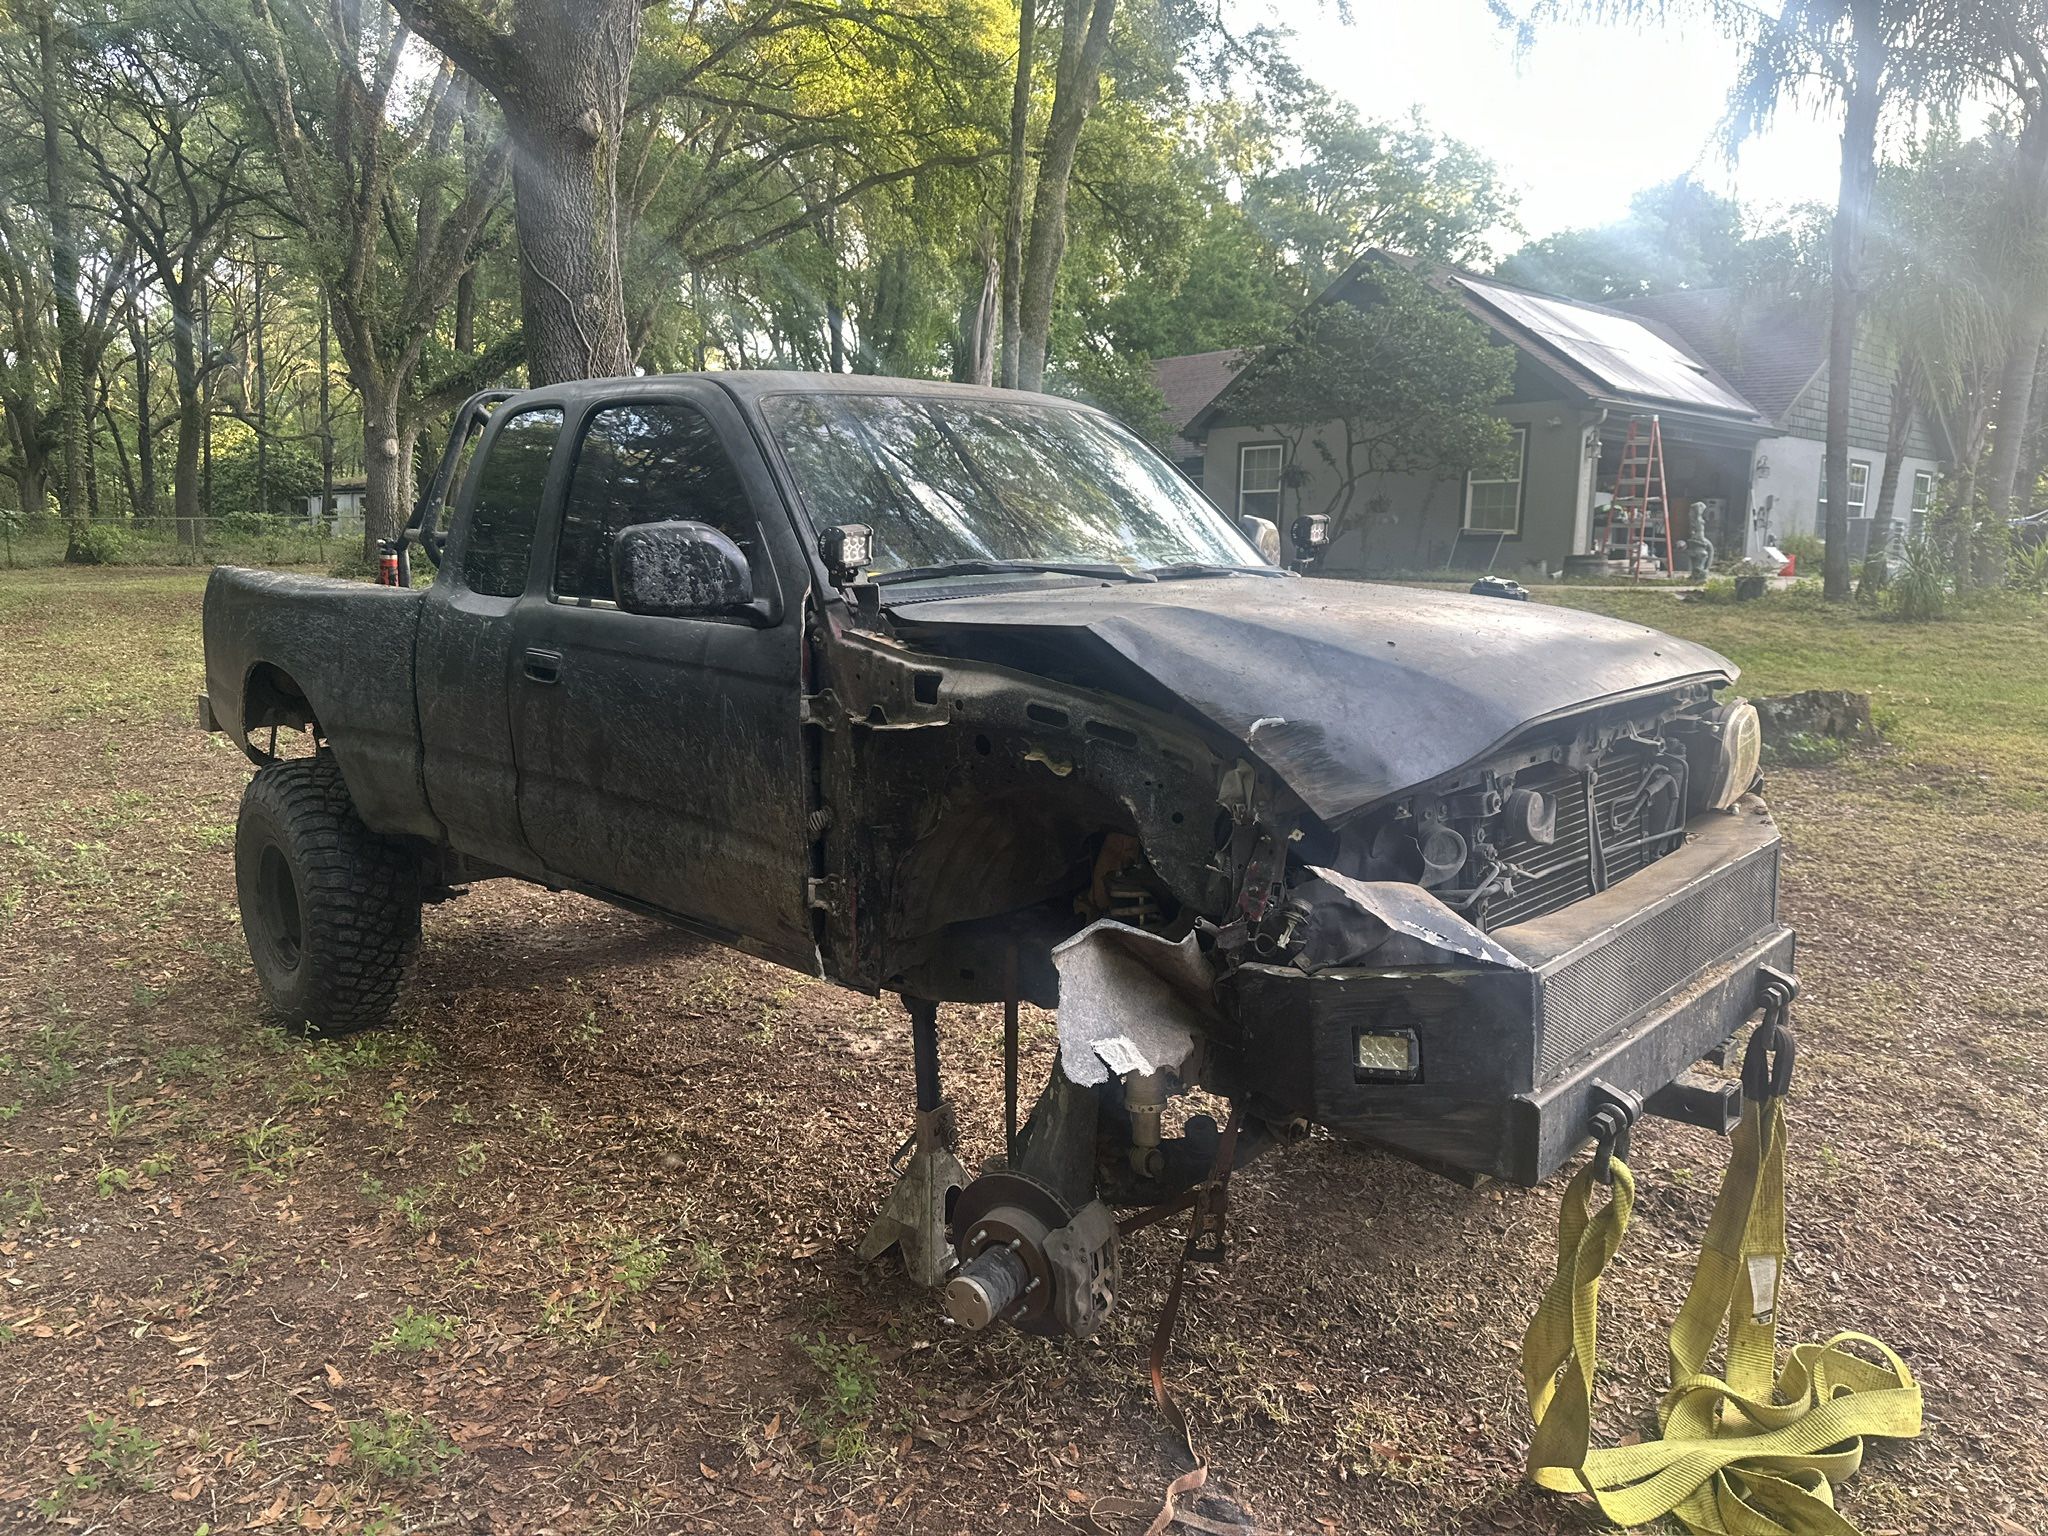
column 1922, row 499
column 1519, row 480
column 1859, row 490
column 1244, row 453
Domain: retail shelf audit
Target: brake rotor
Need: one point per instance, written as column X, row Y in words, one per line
column 1008, row 1210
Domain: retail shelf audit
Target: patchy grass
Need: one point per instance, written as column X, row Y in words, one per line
column 416, row 1332
column 571, row 1245
column 848, row 1385
column 1966, row 694
column 397, row 1446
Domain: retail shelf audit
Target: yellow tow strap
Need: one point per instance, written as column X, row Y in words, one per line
column 1736, row 1457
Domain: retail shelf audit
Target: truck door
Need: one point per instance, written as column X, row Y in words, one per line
column 464, row 665
column 660, row 758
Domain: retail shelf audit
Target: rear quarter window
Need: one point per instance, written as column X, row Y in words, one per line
column 506, row 504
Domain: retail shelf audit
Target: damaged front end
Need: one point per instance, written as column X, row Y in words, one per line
column 1454, row 971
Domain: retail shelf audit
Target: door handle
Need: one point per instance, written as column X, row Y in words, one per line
column 543, row 666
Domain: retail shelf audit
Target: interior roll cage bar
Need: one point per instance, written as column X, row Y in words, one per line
column 423, row 527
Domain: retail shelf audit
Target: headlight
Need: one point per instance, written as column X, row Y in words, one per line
column 1733, row 749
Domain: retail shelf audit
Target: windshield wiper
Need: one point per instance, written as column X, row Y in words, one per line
column 1199, row 568
column 1103, row 572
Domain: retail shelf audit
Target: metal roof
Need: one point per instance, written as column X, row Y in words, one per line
column 1617, row 350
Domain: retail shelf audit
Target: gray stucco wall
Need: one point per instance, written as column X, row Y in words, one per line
column 1421, row 517
column 1785, row 481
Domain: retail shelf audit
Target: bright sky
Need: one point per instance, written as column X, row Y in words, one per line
column 1580, row 123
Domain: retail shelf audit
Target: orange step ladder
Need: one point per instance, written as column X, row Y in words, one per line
column 1641, row 498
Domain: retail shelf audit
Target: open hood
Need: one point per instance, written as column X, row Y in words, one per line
column 1347, row 691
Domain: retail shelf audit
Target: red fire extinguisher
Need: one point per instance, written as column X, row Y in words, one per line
column 387, row 563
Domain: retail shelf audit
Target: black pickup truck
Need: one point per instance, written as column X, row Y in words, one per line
column 971, row 697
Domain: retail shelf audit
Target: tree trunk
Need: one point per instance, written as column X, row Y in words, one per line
column 1904, row 403
column 387, row 469
column 571, row 293
column 262, row 411
column 189, row 385
column 1851, row 230
column 145, row 438
column 1083, row 42
column 92, row 467
column 128, row 484
column 72, row 385
column 32, row 482
column 699, row 323
column 327, row 419
column 2029, row 321
column 560, row 77
column 465, row 314
column 974, row 345
column 204, row 508
column 835, row 296
column 1013, row 205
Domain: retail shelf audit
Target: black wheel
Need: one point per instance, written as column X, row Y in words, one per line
column 331, row 910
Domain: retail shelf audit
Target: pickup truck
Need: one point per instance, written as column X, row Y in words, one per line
column 970, row 696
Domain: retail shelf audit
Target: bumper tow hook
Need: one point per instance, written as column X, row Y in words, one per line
column 1614, row 1111
column 1768, row 1061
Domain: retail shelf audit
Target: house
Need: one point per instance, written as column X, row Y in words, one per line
column 1740, row 406
column 1189, row 383
column 1776, row 355
column 347, row 516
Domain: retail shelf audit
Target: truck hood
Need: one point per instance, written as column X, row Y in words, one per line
column 1347, row 691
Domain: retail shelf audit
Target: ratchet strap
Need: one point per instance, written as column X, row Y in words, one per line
column 1204, row 1244
column 1740, row 1454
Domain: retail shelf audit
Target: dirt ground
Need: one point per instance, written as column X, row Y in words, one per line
column 570, row 1249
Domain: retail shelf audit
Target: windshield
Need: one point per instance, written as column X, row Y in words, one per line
column 945, row 481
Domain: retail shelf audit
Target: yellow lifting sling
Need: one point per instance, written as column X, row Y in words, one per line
column 1739, row 1454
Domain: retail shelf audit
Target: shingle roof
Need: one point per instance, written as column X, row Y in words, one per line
column 1191, row 382
column 1634, row 359
column 1770, row 352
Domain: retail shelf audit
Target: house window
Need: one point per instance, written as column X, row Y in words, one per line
column 1258, row 481
column 1493, row 504
column 1923, row 496
column 1859, row 490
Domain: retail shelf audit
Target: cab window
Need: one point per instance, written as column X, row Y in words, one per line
column 646, row 462
column 507, row 501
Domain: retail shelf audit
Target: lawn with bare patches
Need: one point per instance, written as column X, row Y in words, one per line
column 570, row 1248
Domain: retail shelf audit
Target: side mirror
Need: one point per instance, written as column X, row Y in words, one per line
column 1264, row 534
column 674, row 570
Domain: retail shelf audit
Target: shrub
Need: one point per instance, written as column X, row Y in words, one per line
column 2027, row 569
column 1920, row 590
column 291, row 473
column 99, row 544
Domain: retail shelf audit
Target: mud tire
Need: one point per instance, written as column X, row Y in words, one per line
column 330, row 909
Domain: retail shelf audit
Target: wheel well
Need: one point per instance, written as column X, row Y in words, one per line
column 272, row 698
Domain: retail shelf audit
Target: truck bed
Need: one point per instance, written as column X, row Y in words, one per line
column 280, row 648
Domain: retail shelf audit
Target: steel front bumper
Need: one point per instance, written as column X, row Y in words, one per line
column 1630, row 986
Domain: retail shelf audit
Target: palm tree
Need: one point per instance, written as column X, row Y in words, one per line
column 1938, row 302
column 2011, row 40
column 1864, row 60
